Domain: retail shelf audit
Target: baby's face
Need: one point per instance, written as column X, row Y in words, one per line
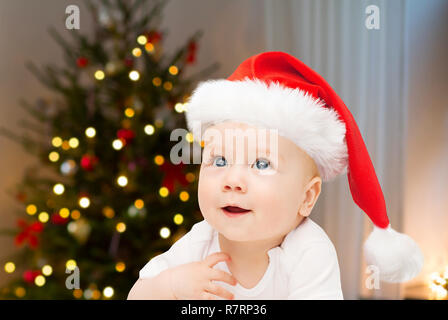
column 270, row 184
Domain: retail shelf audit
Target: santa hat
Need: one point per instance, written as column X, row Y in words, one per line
column 276, row 90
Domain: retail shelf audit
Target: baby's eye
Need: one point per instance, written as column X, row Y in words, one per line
column 262, row 164
column 221, row 161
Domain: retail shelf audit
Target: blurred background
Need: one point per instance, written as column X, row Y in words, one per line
column 89, row 184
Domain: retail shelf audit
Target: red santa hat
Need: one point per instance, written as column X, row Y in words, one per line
column 276, row 90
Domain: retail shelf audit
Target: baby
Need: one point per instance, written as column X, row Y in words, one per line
column 256, row 240
column 255, row 215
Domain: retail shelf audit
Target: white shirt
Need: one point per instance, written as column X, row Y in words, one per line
column 304, row 266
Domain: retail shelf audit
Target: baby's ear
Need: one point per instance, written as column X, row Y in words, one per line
column 312, row 192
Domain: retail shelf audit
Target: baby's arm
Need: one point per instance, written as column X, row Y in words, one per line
column 186, row 282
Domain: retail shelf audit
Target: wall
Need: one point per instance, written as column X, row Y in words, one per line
column 426, row 166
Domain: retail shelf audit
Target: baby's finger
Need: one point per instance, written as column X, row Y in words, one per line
column 220, row 291
column 216, row 257
column 208, row 296
column 223, row 276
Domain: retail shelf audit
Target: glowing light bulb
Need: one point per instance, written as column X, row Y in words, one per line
column 165, row 232
column 163, row 191
column 120, row 266
column 88, row 293
column 149, row 129
column 142, row 40
column 20, row 292
column 77, row 293
column 53, row 156
column 173, row 70
column 72, row 227
column 58, row 188
column 149, row 47
column 108, row 212
column 10, row 267
column 122, row 181
column 117, row 144
column 76, row 214
column 179, row 107
column 99, row 75
column 108, row 292
column 121, row 227
column 156, row 81
column 139, row 203
column 84, row 202
column 159, row 160
column 65, row 145
column 184, row 196
column 134, row 75
column 190, row 177
column 31, row 209
column 129, row 112
column 70, row 264
column 47, row 270
column 137, row 52
column 90, row 132
column 39, row 280
column 73, row 143
column 56, row 142
column 43, row 217
column 189, row 137
column 178, row 218
column 64, row 213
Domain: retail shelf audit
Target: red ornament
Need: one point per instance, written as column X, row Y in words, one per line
column 173, row 173
column 153, row 36
column 28, row 233
column 57, row 219
column 82, row 62
column 129, row 62
column 30, row 275
column 191, row 55
column 89, row 162
column 126, row 135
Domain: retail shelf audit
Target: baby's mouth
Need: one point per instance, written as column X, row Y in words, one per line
column 234, row 210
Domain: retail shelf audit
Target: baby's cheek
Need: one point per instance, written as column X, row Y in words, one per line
column 269, row 191
column 207, row 193
column 202, row 191
column 281, row 199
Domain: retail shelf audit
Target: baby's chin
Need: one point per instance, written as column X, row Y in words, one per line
column 236, row 232
column 236, row 235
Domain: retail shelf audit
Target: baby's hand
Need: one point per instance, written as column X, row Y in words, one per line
column 193, row 281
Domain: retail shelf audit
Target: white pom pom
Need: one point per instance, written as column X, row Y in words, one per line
column 396, row 255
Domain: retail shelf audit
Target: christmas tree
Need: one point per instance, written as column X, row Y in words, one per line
column 113, row 199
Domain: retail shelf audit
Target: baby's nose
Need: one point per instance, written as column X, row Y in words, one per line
column 235, row 179
column 234, row 187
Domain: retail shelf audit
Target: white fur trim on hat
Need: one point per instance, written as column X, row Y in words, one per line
column 296, row 114
column 397, row 256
